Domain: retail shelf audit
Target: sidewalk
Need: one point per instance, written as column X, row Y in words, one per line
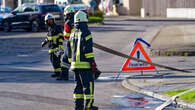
column 156, row 84
column 138, row 18
column 174, row 40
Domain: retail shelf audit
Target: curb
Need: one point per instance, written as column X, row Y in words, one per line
column 158, row 19
column 127, row 84
column 138, row 18
column 171, row 52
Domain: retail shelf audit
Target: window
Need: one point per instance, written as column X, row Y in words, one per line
column 28, row 1
column 50, row 8
column 35, row 8
column 28, row 9
column 18, row 10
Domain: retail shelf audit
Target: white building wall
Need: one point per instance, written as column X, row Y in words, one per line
column 180, row 12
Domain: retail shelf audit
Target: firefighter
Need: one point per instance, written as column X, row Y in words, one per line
column 68, row 27
column 69, row 21
column 81, row 56
column 55, row 41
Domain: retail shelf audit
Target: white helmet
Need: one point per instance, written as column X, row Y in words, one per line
column 49, row 16
column 80, row 16
column 68, row 9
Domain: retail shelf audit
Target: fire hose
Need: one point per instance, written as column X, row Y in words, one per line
column 114, row 52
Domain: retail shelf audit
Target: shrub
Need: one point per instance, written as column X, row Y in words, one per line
column 95, row 19
column 97, row 13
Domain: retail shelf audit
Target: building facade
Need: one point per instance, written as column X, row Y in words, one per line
column 143, row 8
column 168, row 8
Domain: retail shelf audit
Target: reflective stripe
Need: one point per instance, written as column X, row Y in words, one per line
column 61, row 47
column 78, row 96
column 78, row 49
column 67, row 34
column 69, row 60
column 60, row 34
column 88, row 37
column 89, row 55
column 84, row 65
column 61, row 40
column 53, row 50
column 49, row 38
column 54, row 38
column 90, row 97
column 65, row 65
column 57, row 70
column 73, row 29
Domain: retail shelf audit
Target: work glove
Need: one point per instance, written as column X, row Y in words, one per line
column 95, row 71
column 93, row 65
column 44, row 43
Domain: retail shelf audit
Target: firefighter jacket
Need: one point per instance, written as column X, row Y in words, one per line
column 55, row 38
column 68, row 26
column 80, row 48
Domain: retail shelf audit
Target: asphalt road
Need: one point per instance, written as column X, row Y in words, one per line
column 25, row 68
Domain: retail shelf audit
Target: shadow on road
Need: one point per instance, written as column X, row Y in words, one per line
column 15, row 46
column 36, row 76
column 29, row 76
column 165, row 76
column 112, row 29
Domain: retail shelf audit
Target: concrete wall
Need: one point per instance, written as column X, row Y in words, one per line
column 131, row 7
column 158, row 8
column 180, row 12
column 126, row 5
column 135, row 7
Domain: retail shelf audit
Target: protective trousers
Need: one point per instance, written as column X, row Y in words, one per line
column 84, row 90
column 55, row 61
column 65, row 66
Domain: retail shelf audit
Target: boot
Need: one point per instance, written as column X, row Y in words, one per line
column 55, row 75
column 78, row 108
column 92, row 108
column 62, row 78
column 63, row 75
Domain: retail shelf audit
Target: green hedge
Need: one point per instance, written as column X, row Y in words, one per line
column 95, row 19
column 97, row 13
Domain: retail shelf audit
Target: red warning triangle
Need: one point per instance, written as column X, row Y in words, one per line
column 138, row 52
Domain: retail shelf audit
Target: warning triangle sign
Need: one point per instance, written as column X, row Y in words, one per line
column 138, row 52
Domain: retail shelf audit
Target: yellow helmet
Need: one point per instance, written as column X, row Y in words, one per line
column 49, row 16
column 68, row 9
column 80, row 16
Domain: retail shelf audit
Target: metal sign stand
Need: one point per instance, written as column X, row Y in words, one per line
column 137, row 40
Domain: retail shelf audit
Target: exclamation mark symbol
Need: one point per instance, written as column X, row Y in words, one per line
column 138, row 56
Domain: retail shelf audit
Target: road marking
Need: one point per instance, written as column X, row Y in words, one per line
column 113, row 77
column 24, row 55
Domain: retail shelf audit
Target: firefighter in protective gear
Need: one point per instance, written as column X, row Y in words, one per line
column 68, row 27
column 81, row 56
column 55, row 41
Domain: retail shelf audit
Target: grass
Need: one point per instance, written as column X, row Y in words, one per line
column 95, row 19
column 190, row 96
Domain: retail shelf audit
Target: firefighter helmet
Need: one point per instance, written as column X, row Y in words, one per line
column 80, row 16
column 49, row 16
column 68, row 9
